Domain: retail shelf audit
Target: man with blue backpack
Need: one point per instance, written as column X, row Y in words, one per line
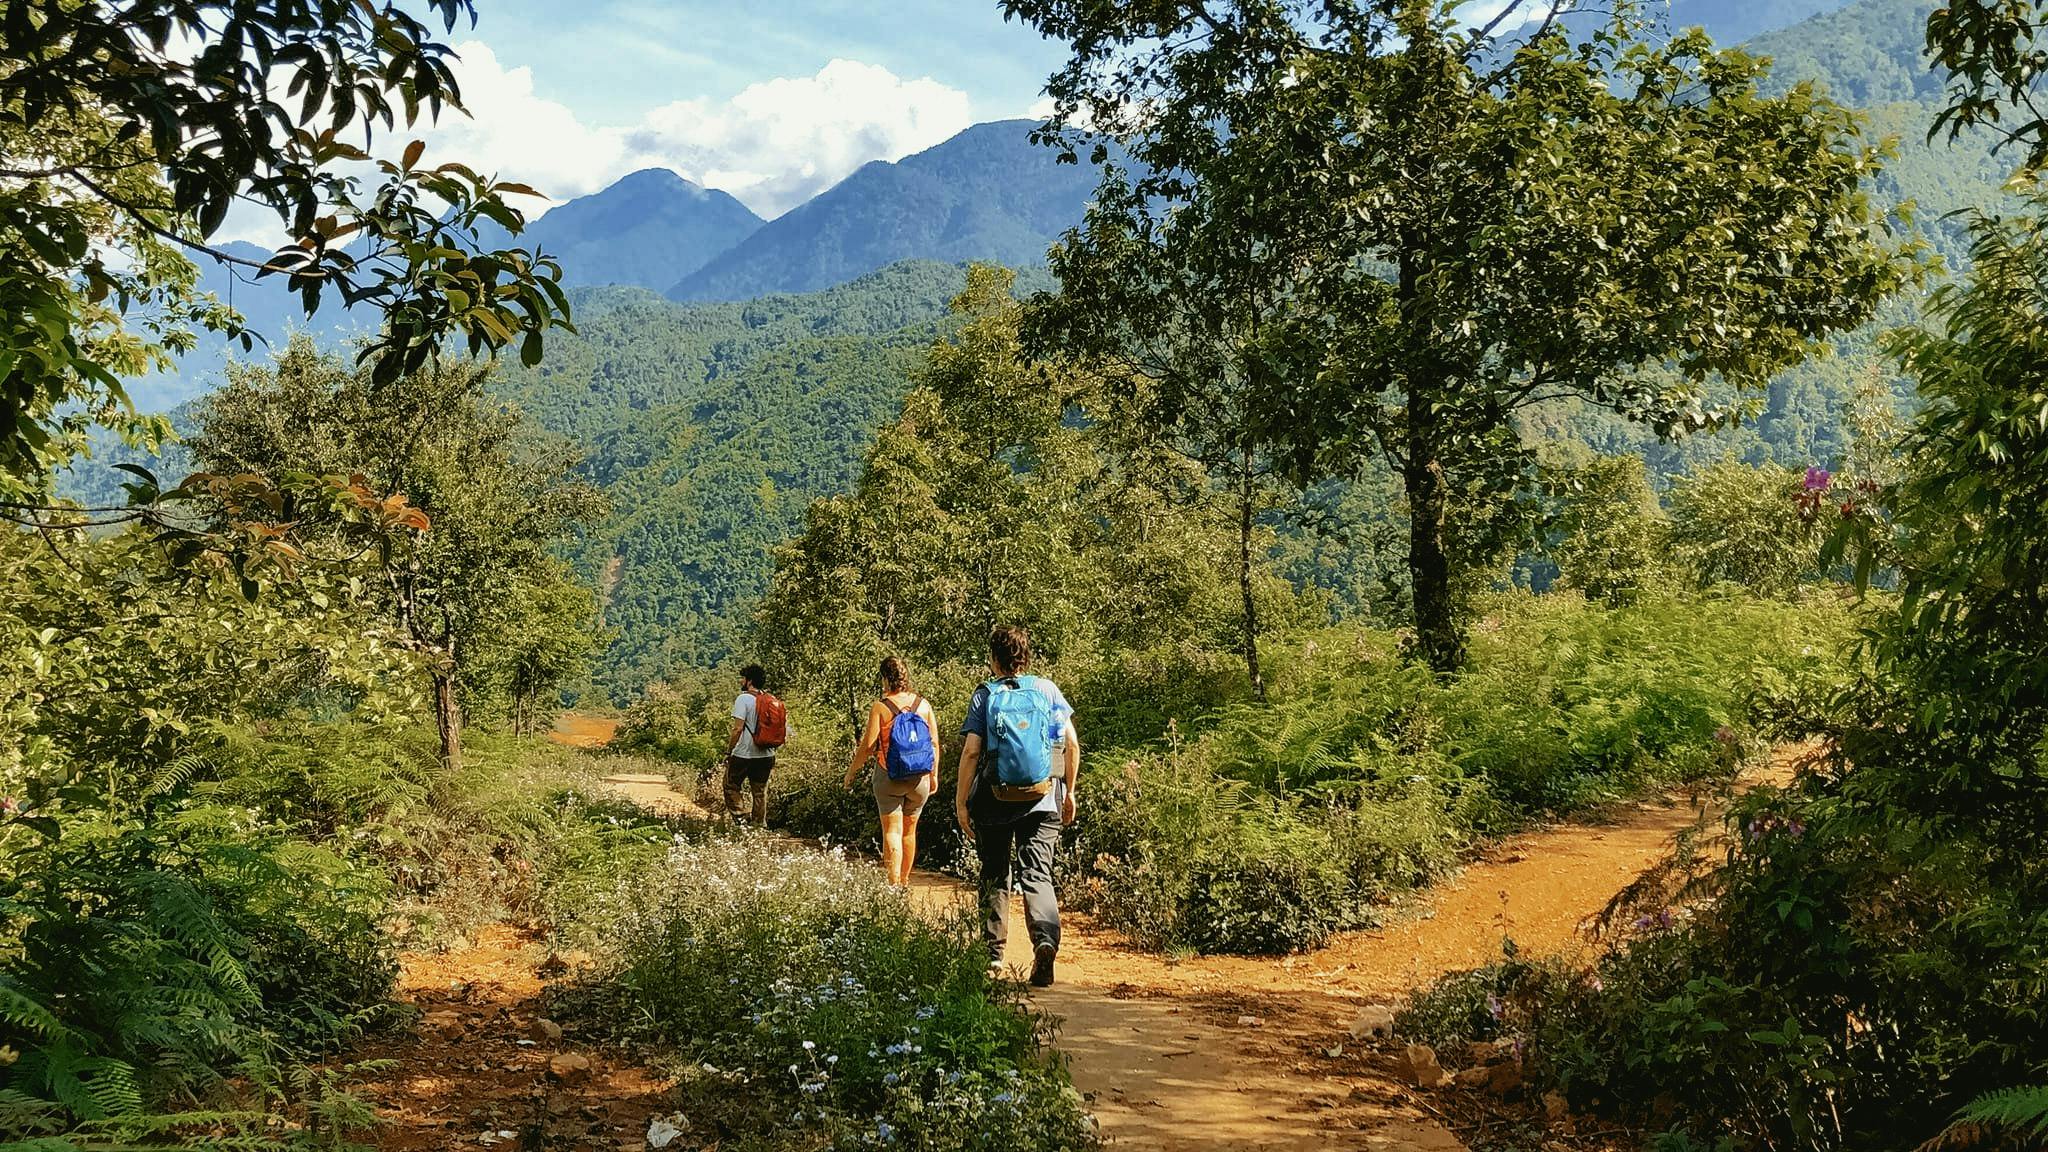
column 1019, row 762
column 901, row 737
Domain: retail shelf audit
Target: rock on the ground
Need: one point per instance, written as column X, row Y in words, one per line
column 1419, row 1066
column 569, row 1068
column 1373, row 1020
column 663, row 1131
column 1504, row 1077
column 443, row 1023
column 544, row 1031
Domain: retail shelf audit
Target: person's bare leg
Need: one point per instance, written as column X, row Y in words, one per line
column 892, row 844
column 908, row 859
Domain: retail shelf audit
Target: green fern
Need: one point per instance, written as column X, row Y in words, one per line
column 1986, row 1121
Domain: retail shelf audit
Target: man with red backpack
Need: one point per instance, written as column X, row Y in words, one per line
column 760, row 725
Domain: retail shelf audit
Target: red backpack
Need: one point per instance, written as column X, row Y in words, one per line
column 771, row 721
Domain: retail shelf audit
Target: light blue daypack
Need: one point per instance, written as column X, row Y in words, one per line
column 1020, row 733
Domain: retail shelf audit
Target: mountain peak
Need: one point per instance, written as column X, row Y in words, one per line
column 987, row 193
column 656, row 180
column 645, row 229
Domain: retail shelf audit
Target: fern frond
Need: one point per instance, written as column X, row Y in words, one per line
column 18, row 1009
column 176, row 773
column 1985, row 1121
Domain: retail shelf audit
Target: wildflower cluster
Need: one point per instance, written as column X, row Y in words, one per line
column 809, row 991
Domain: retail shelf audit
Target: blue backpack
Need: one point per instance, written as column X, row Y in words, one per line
column 1020, row 733
column 908, row 744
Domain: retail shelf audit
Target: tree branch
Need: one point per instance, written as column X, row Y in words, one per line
column 141, row 216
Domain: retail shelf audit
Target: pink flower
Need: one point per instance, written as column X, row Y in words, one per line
column 1818, row 478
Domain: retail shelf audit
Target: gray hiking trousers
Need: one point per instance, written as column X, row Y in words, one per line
column 1031, row 840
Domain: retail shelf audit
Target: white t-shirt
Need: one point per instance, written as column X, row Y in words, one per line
column 743, row 711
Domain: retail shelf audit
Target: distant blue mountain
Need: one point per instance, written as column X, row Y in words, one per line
column 271, row 311
column 1733, row 21
column 986, row 194
column 648, row 230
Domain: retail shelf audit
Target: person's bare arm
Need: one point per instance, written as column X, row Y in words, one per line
column 970, row 761
column 732, row 739
column 1073, row 772
column 870, row 740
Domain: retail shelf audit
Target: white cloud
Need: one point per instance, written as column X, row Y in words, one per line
column 773, row 145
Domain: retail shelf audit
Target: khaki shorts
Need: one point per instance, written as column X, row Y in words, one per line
column 904, row 796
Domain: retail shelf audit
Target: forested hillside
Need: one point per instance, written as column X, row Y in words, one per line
column 714, row 425
column 712, row 428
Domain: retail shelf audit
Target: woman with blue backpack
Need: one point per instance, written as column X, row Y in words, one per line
column 901, row 737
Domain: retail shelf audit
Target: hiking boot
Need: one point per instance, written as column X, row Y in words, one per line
column 1041, row 965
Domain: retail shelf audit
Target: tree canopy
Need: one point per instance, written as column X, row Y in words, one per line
column 1472, row 223
column 128, row 130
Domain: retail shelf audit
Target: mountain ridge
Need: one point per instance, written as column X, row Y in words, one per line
column 644, row 229
column 986, row 193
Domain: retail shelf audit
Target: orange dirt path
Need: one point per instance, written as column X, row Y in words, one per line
column 580, row 731
column 1216, row 1053
column 477, row 1067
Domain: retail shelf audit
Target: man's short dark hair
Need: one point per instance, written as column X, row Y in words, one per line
column 755, row 676
column 1010, row 647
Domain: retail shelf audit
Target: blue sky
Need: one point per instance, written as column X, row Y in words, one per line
column 613, row 59
column 773, row 103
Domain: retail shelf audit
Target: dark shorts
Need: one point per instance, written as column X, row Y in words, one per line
column 748, row 769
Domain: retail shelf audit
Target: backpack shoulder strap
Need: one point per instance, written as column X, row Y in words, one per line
column 894, row 711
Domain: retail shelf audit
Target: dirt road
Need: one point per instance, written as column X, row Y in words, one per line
column 1216, row 1053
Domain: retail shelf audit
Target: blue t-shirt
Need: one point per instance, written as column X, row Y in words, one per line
column 976, row 724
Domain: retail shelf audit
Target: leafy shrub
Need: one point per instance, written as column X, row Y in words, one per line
column 1132, row 696
column 146, row 955
column 1743, row 525
column 1364, row 776
column 1177, row 856
column 683, row 721
column 1609, row 535
column 840, row 1012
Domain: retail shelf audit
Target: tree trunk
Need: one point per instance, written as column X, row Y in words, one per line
column 1246, row 495
column 448, row 719
column 1439, row 637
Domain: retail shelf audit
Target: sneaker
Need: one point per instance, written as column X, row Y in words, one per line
column 1041, row 965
